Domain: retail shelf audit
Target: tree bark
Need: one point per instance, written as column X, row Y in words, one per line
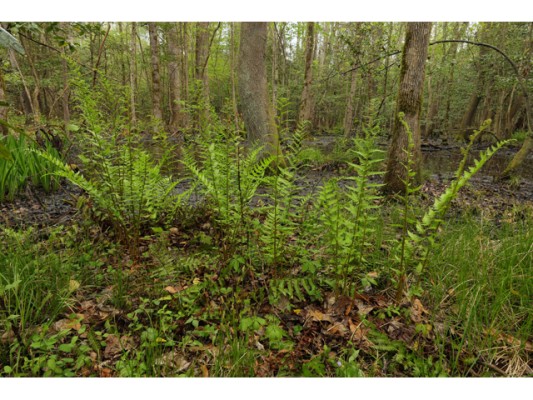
column 156, row 78
column 306, row 103
column 350, row 106
column 64, row 75
column 174, row 79
column 253, row 91
column 133, row 73
column 408, row 102
column 4, row 109
column 200, row 71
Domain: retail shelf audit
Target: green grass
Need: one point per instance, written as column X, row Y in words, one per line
column 18, row 166
column 480, row 285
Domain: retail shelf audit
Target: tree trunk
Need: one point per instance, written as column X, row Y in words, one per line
column 200, row 71
column 527, row 146
column 409, row 102
column 460, row 28
column 4, row 109
column 133, row 73
column 306, row 103
column 253, row 91
column 232, row 76
column 156, row 79
column 66, row 89
column 174, row 79
column 477, row 96
column 350, row 106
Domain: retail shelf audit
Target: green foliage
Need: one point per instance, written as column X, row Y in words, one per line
column 227, row 176
column 279, row 223
column 349, row 216
column 416, row 245
column 19, row 164
column 34, row 281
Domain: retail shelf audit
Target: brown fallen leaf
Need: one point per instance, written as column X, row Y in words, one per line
column 362, row 308
column 115, row 345
column 417, row 311
column 316, row 315
column 171, row 289
column 106, row 373
column 358, row 332
column 175, row 360
column 73, row 322
column 205, row 372
column 337, row 329
column 510, row 340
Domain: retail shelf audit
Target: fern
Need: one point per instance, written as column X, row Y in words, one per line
column 279, row 223
column 228, row 177
column 298, row 288
column 348, row 216
column 417, row 242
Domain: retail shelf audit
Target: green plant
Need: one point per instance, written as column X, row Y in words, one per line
column 19, row 164
column 349, row 216
column 416, row 245
column 34, row 282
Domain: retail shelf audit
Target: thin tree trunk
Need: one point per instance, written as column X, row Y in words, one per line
column 350, row 106
column 200, row 69
column 66, row 88
column 232, row 76
column 34, row 108
column 174, row 78
column 133, row 73
column 4, row 109
column 306, row 103
column 100, row 51
column 409, row 103
column 156, row 78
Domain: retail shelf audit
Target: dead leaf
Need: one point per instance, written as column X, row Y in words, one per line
column 337, row 329
column 116, row 345
column 171, row 289
column 363, row 309
column 205, row 372
column 106, row 373
column 417, row 309
column 510, row 340
column 174, row 360
column 73, row 322
column 316, row 315
column 358, row 332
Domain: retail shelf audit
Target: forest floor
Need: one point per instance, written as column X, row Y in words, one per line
column 368, row 335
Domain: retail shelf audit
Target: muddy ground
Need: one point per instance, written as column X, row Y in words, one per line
column 34, row 207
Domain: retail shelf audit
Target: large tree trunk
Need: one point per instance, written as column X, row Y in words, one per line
column 174, row 79
column 156, row 79
column 253, row 91
column 409, row 102
column 306, row 103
